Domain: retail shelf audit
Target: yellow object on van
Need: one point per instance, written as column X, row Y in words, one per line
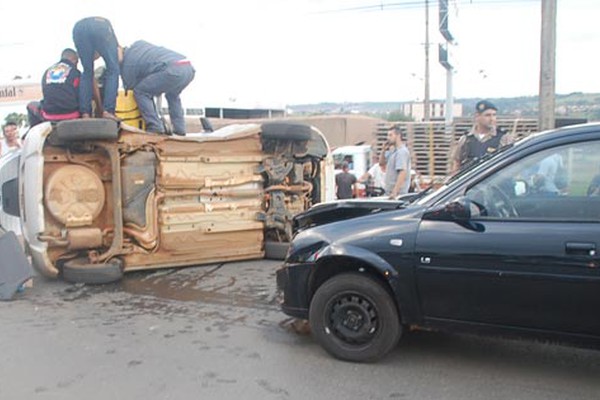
column 127, row 110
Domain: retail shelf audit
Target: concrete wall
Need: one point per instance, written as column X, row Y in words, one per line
column 340, row 130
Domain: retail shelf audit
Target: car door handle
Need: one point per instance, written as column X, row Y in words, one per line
column 581, row 249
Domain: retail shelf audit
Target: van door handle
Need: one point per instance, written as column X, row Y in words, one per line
column 580, row 249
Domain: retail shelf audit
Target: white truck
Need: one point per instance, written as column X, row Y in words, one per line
column 359, row 159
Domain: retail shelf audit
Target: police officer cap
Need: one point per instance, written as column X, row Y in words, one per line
column 485, row 105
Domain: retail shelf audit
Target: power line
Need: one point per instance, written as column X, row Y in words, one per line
column 414, row 4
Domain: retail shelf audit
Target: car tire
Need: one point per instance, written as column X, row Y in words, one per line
column 276, row 250
column 286, row 130
column 86, row 129
column 80, row 270
column 357, row 300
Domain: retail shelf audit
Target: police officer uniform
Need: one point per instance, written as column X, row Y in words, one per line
column 474, row 145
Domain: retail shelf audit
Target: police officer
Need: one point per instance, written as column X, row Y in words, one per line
column 483, row 138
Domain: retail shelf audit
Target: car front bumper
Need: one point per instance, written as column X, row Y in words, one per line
column 293, row 287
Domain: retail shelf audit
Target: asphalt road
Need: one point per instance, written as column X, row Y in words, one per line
column 215, row 332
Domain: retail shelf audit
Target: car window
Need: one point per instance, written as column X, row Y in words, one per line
column 562, row 183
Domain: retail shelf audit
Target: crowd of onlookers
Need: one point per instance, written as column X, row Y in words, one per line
column 392, row 175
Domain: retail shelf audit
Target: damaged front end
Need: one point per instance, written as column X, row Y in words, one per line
column 326, row 213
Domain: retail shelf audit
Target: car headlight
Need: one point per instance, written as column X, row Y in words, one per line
column 305, row 254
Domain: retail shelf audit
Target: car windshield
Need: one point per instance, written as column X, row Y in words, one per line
column 430, row 192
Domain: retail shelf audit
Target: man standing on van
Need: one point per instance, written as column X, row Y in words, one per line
column 397, row 174
column 94, row 37
column 151, row 71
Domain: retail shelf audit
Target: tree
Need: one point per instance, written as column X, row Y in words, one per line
column 18, row 118
column 397, row 115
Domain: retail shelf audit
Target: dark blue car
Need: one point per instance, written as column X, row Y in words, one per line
column 509, row 246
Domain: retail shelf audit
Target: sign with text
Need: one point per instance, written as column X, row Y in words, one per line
column 20, row 92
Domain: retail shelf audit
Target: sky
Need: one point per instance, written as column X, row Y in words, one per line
column 271, row 53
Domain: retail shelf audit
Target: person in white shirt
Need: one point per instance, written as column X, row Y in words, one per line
column 374, row 178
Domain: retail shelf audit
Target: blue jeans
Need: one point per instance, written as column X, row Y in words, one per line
column 171, row 81
column 95, row 34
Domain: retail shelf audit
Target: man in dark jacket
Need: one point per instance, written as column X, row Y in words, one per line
column 60, row 87
column 151, row 71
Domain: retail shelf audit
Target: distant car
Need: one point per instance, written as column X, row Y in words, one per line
column 509, row 246
column 95, row 200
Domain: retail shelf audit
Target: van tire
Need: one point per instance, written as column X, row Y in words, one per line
column 85, row 129
column 276, row 250
column 286, row 130
column 80, row 270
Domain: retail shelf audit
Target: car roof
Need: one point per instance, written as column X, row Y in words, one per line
column 562, row 133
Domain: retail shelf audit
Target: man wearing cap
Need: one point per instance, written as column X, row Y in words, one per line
column 483, row 138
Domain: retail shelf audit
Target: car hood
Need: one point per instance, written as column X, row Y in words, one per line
column 325, row 213
column 384, row 232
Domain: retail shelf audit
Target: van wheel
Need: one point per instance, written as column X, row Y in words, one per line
column 85, row 129
column 80, row 270
column 354, row 318
column 286, row 130
column 276, row 250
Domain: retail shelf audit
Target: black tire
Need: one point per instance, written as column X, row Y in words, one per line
column 352, row 299
column 85, row 129
column 79, row 270
column 286, row 130
column 276, row 250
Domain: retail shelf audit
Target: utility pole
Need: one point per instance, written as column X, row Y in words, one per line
column 547, row 66
column 444, row 58
column 426, row 102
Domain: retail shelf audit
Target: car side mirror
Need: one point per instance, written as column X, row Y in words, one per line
column 455, row 210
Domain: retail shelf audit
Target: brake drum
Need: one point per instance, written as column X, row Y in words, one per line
column 74, row 195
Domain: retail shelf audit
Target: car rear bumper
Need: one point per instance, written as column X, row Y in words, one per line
column 31, row 184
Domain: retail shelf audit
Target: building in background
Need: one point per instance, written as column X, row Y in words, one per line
column 416, row 110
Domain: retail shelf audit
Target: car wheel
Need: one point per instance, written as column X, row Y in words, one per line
column 80, row 270
column 276, row 250
column 354, row 318
column 86, row 129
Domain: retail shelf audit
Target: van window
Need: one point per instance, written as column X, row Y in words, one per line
column 340, row 159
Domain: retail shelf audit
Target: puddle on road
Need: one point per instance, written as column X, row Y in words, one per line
column 207, row 286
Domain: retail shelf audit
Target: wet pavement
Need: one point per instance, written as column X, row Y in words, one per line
column 216, row 332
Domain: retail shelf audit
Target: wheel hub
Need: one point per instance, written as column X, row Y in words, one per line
column 353, row 319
